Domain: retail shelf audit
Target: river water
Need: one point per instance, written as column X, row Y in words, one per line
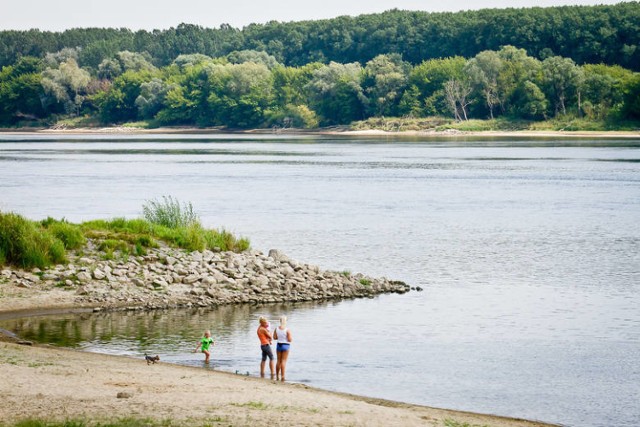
column 528, row 252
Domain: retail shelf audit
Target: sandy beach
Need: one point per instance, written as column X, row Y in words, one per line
column 58, row 384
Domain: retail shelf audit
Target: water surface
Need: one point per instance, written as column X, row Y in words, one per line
column 528, row 251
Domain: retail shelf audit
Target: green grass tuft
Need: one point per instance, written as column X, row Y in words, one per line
column 169, row 212
column 27, row 244
column 70, row 234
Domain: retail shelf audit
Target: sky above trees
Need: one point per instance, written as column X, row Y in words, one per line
column 151, row 14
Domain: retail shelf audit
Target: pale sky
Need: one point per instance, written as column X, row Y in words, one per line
column 57, row 15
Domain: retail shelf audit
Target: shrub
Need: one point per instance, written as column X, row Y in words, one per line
column 70, row 234
column 27, row 244
column 225, row 241
column 169, row 212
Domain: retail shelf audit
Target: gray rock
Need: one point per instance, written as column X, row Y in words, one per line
column 192, row 278
column 259, row 281
column 138, row 282
column 84, row 277
column 209, row 280
column 98, row 274
column 278, row 255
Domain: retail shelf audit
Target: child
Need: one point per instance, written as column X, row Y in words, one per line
column 205, row 342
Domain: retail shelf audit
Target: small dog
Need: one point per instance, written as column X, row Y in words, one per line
column 151, row 359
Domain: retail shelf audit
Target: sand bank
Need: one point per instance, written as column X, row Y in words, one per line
column 59, row 384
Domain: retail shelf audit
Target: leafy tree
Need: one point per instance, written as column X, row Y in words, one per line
column 117, row 105
column 257, row 57
column 431, row 77
column 133, row 61
column 410, row 104
column 54, row 59
column 561, row 80
column 336, row 93
column 240, row 94
column 21, row 91
column 151, row 98
column 483, row 71
column 631, row 107
column 189, row 60
column 517, row 69
column 385, row 78
column 66, row 85
column 529, row 101
column 109, row 69
column 603, row 89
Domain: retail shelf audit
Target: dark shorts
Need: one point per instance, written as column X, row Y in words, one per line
column 266, row 352
column 282, row 346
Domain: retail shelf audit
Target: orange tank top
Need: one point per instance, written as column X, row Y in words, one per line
column 264, row 335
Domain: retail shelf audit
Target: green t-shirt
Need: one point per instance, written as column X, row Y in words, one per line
column 206, row 342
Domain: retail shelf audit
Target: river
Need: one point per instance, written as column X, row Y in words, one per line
column 528, row 252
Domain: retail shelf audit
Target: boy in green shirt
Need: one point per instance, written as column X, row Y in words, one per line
column 205, row 342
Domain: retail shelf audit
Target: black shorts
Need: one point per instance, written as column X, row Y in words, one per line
column 266, row 352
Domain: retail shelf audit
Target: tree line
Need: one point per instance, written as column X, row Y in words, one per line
column 251, row 88
column 586, row 34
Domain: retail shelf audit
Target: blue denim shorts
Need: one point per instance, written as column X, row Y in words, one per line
column 282, row 346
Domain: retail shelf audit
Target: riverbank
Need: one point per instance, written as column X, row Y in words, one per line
column 335, row 131
column 94, row 388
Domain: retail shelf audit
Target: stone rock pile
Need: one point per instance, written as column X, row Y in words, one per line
column 168, row 277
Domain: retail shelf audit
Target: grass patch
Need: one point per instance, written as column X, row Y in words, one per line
column 118, row 422
column 140, row 234
column 28, row 244
column 400, row 124
column 568, row 122
column 70, row 234
column 453, row 423
column 170, row 213
column 365, row 282
column 252, row 405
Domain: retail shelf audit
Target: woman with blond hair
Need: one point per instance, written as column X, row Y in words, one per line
column 282, row 335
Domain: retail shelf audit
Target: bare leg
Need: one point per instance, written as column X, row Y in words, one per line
column 283, row 364
column 271, row 367
column 278, row 364
column 262, row 364
column 206, row 356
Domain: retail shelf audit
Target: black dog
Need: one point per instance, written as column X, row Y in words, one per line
column 151, row 359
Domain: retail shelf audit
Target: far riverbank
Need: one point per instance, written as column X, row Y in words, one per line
column 338, row 131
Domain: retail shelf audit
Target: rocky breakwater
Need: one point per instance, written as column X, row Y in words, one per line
column 167, row 277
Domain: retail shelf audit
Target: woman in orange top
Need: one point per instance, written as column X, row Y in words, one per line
column 265, row 345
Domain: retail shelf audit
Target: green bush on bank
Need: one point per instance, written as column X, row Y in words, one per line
column 28, row 244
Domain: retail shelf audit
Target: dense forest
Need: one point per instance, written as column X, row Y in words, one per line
column 531, row 64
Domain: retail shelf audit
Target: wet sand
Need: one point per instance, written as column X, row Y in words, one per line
column 59, row 384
